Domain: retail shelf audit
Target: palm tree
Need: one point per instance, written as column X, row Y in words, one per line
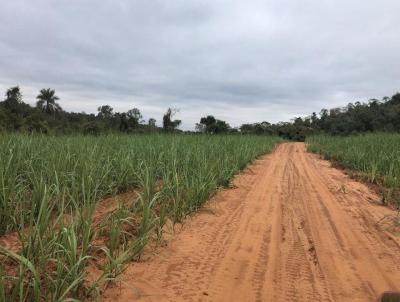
column 47, row 101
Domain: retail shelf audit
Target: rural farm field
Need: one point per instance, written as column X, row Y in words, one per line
column 111, row 218
column 53, row 227
column 213, row 151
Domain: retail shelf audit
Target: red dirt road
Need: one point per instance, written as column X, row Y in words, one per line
column 292, row 229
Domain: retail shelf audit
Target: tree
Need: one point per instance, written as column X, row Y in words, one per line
column 134, row 116
column 91, row 128
column 314, row 120
column 123, row 122
column 170, row 125
column 35, row 123
column 14, row 109
column 134, row 113
column 263, row 128
column 209, row 124
column 3, row 120
column 13, row 94
column 47, row 101
column 105, row 111
column 152, row 123
column 13, row 99
column 221, row 127
column 200, row 127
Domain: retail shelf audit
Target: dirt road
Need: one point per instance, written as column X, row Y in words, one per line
column 292, row 229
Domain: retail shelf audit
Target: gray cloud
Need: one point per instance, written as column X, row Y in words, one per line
column 243, row 61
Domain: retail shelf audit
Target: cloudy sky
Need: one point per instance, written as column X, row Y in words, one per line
column 242, row 61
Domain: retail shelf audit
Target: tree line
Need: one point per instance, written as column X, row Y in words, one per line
column 48, row 117
column 359, row 117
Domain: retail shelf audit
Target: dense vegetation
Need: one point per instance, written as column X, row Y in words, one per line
column 372, row 116
column 48, row 117
column 49, row 187
column 376, row 156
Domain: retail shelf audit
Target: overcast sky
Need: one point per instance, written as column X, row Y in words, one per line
column 242, row 61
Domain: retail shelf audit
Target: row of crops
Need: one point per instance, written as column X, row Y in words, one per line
column 45, row 180
column 376, row 156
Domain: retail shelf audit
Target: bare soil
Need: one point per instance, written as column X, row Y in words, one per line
column 292, row 228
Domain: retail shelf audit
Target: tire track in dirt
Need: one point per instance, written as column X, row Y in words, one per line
column 291, row 229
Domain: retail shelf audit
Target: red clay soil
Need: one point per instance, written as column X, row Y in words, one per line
column 292, row 229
